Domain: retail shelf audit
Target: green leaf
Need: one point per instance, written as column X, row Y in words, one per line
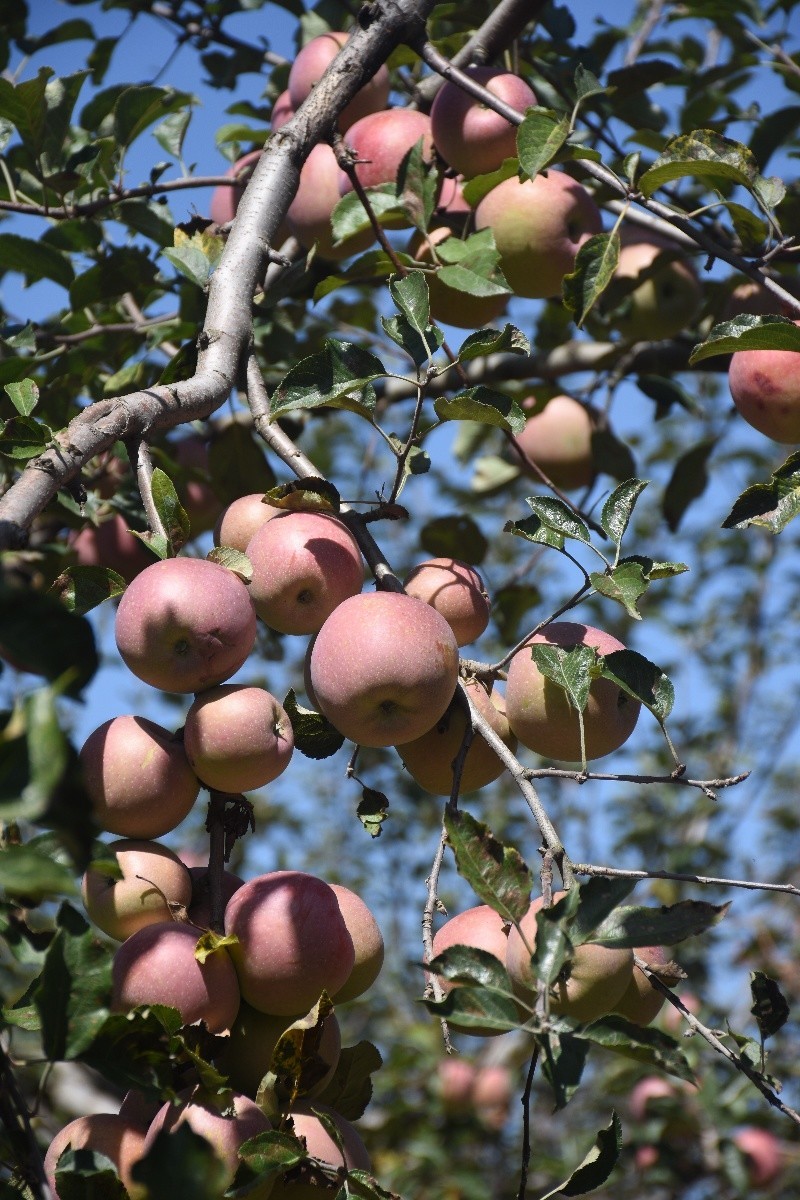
column 372, row 811
column 625, row 583
column 539, row 139
column 492, row 473
column 237, row 464
column 563, row 1061
column 339, row 376
column 34, row 260
column 456, row 536
column 484, row 405
column 611, row 455
column 770, row 1007
column 350, row 1089
column 641, row 679
column 644, row 1045
column 587, row 84
column 74, row 988
column 181, row 1163
column 596, row 1166
column 314, row 736
column 305, row 495
column 641, row 926
column 595, row 264
column 475, row 189
column 553, row 942
column 703, row 154
column 570, row 669
column 619, row 507
column 496, row 873
column 559, row 516
column 25, row 106
column 748, row 332
column 598, row 899
column 490, row 341
column 769, row 505
column 138, row 107
column 420, row 347
column 23, row 395
column 232, row 560
column 266, row 1156
column 688, row 481
column 350, row 217
column 190, row 260
column 67, row 653
column 171, row 513
column 666, row 392
column 34, row 876
column 87, row 1172
column 482, row 1008
column 171, row 132
column 418, row 185
column 472, row 967
column 410, row 294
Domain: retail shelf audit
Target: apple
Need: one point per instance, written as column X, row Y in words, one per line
column 111, row 544
column 138, row 777
column 241, row 519
column 540, row 714
column 199, row 913
column 641, row 1002
column 282, row 111
column 763, row 1152
column 237, row 738
column 293, row 941
column 114, row 1136
column 185, row 624
column 429, row 759
column 454, row 589
column 311, row 64
column 646, row 1090
column 254, row 1035
column 202, row 504
column 559, row 440
column 471, row 137
column 539, row 226
column 384, row 668
column 304, row 565
column 320, row 1145
column 157, row 965
column 447, row 304
column 308, row 217
column 491, row 1095
column 456, row 1077
column 225, row 200
column 765, row 387
column 671, row 1017
column 381, row 141
column 666, row 300
column 482, row 929
column 153, row 879
column 138, row 1108
column 225, row 1133
column 593, row 980
column 451, row 202
column 367, row 942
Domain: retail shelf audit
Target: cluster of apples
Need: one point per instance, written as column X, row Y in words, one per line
column 598, row 980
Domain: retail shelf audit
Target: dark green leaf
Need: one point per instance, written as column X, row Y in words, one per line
column 770, row 1007
column 666, row 392
column 420, row 347
column 570, row 669
column 688, row 481
column 82, row 1173
column 703, row 154
column 25, row 106
column 171, row 513
column 553, row 942
column 340, row 376
column 479, row 1008
column 34, row 260
column 539, row 139
column 596, row 1166
column 595, row 264
column 266, row 1156
column 611, row 455
column 23, row 395
column 489, row 341
column 456, row 536
column 495, row 872
column 75, row 987
column 68, row 652
column 350, row 1089
column 769, row 505
column 410, row 294
column 314, row 736
column 641, row 926
column 642, row 1044
column 559, row 516
column 598, row 899
column 748, row 332
column 471, row 967
column 563, row 1060
column 25, row 872
column 237, row 464
column 641, row 679
column 138, row 107
column 619, row 506
column 625, row 583
column 122, row 269
column 372, row 811
column 484, row 405
column 181, row 1163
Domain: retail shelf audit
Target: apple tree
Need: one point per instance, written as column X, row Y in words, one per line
column 398, row 607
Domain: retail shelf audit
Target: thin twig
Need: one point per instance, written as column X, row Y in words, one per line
column 526, row 1124
column 142, row 464
column 434, row 904
column 684, row 877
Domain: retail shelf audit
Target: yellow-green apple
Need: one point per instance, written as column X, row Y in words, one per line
column 311, row 64
column 454, row 589
column 480, row 928
column 765, row 387
column 304, row 565
column 155, row 884
column 764, row 1154
column 138, row 777
column 429, row 759
column 471, row 137
column 111, row 544
column 308, row 217
column 367, row 943
column 591, row 983
column 300, row 1185
column 381, row 141
column 116, row 1137
column 540, row 714
column 237, row 738
column 539, row 226
column 383, row 668
column 491, row 1095
column 225, row 199
column 668, row 297
column 185, row 624
column 157, row 965
column 199, row 912
column 641, row 1002
column 293, row 941
column 559, row 440
column 226, row 1133
column 449, row 305
column 254, row 1035
column 241, row 519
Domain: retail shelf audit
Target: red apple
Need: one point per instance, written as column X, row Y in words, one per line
column 309, row 215
column 310, row 65
column 469, row 135
column 491, row 1094
column 448, row 305
column 321, row 1145
column 381, row 141
column 153, row 880
column 111, row 544
column 454, row 589
column 237, row 738
column 559, row 440
column 765, row 387
column 241, row 519
column 225, row 200
column 106, row 1133
column 763, row 1153
column 367, row 943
